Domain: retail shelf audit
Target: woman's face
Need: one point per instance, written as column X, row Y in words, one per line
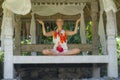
column 59, row 22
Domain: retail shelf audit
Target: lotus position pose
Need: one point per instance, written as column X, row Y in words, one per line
column 60, row 39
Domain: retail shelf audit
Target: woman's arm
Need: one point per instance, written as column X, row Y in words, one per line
column 70, row 33
column 47, row 34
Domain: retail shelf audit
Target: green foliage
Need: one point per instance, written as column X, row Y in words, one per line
column 89, row 32
column 26, row 41
column 118, row 51
column 1, row 64
column 1, row 56
column 118, row 46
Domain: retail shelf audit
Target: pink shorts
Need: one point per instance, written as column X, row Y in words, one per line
column 57, row 52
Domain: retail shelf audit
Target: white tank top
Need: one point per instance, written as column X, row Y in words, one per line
column 60, row 40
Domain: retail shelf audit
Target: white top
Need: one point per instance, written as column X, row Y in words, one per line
column 60, row 40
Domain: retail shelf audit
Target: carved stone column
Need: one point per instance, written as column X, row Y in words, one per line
column 17, row 34
column 94, row 16
column 8, row 44
column 95, row 41
column 111, row 44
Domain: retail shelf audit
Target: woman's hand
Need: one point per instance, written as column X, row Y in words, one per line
column 77, row 21
column 70, row 33
column 40, row 21
column 47, row 34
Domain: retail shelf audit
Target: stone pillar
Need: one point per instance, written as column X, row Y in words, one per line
column 17, row 34
column 27, row 29
column 33, row 33
column 111, row 44
column 94, row 16
column 82, row 27
column 96, row 71
column 8, row 45
column 101, row 30
column 95, row 41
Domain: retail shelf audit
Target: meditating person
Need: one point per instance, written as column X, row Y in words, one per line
column 60, row 39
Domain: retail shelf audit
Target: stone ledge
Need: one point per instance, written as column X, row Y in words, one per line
column 60, row 59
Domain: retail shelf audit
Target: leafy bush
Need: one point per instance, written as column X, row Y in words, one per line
column 1, row 64
column 118, row 51
column 1, row 56
column 118, row 48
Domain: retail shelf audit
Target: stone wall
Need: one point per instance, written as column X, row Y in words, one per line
column 54, row 72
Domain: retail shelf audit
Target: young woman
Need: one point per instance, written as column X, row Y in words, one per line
column 60, row 39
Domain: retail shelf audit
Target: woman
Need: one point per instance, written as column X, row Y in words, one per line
column 60, row 39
